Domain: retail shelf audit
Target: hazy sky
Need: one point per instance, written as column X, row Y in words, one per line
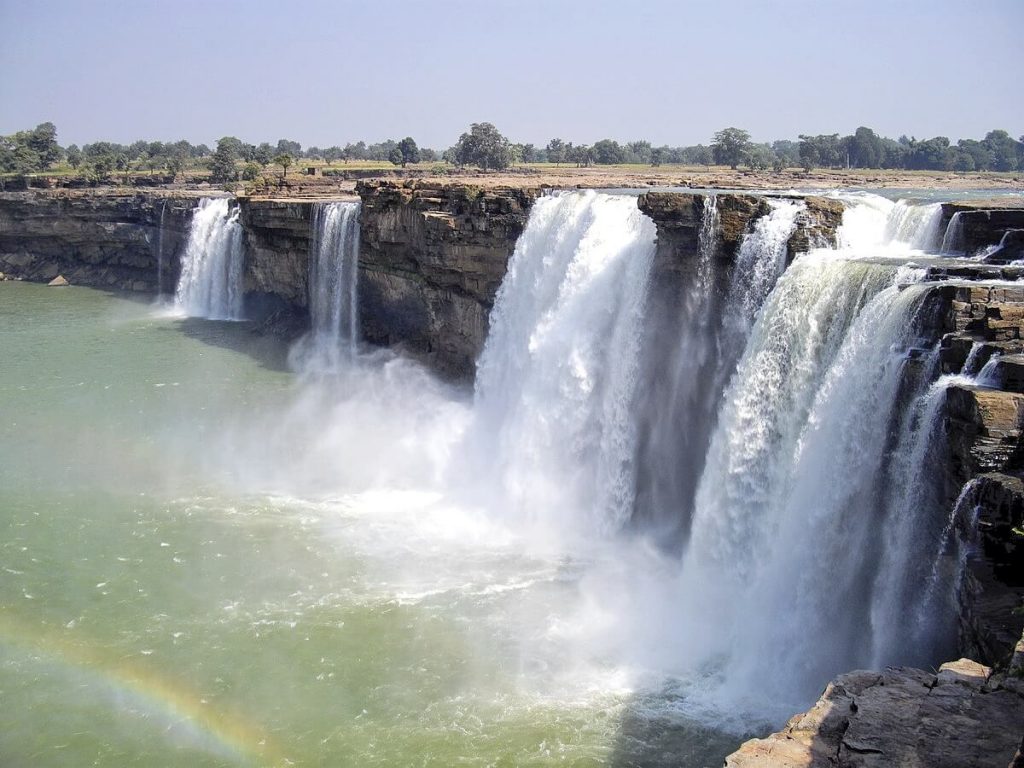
column 673, row 72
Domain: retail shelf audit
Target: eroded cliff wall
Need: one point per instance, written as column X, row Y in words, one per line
column 431, row 260
column 101, row 240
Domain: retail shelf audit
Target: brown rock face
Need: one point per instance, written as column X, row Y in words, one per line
column 816, row 225
column 963, row 716
column 277, row 240
column 109, row 241
column 993, row 578
column 431, row 260
column 982, row 223
column 984, row 427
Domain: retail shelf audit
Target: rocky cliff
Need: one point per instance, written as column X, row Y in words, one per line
column 431, row 260
column 983, row 426
column 984, row 223
column 106, row 241
column 962, row 716
column 277, row 240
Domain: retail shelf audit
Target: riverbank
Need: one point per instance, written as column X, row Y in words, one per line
column 342, row 180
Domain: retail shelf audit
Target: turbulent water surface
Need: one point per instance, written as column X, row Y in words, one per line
column 207, row 561
column 215, row 552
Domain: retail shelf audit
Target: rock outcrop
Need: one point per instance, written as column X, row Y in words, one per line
column 982, row 223
column 984, row 426
column 962, row 717
column 432, row 257
column 277, row 240
column 104, row 240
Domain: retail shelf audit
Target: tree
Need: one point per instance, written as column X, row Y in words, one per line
column 639, row 151
column 759, row 156
column 264, row 154
column 730, row 146
column 556, row 151
column 1003, row 148
column 865, row 148
column 175, row 161
column 251, row 171
column 484, row 147
column 608, row 152
column 787, row 151
column 821, row 151
column 408, row 151
column 933, row 154
column 287, row 147
column 74, row 156
column 43, row 141
column 395, row 157
column 284, row 160
column 963, row 162
column 581, row 154
column 981, row 156
column 222, row 166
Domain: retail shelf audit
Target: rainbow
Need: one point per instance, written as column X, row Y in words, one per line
column 216, row 731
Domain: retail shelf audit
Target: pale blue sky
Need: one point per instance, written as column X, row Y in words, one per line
column 327, row 73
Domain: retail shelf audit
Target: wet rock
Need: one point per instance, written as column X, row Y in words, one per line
column 902, row 717
column 983, row 223
column 1011, row 248
column 816, row 226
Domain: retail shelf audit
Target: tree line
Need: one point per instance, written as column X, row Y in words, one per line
column 483, row 146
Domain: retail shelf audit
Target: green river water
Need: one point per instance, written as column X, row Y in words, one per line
column 208, row 561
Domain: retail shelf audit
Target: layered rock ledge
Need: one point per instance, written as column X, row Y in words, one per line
column 432, row 257
column 105, row 241
column 962, row 717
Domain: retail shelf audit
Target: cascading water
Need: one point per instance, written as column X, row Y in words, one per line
column 558, row 372
column 872, row 223
column 952, row 240
column 759, row 264
column 916, row 226
column 333, row 285
column 160, row 252
column 692, row 352
column 783, row 524
column 325, row 517
column 210, row 285
column 676, row 400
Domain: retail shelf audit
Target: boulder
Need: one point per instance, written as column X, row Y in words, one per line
column 960, row 717
column 59, row 280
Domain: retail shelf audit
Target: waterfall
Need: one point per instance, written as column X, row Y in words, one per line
column 676, row 400
column 788, row 524
column 953, row 240
column 333, row 281
column 915, row 225
column 160, row 251
column 873, row 223
column 558, row 373
column 210, row 285
column 691, row 355
column 759, row 264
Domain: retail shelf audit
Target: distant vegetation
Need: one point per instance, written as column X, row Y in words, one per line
column 483, row 146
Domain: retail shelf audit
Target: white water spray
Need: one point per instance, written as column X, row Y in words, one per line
column 953, row 239
column 876, row 225
column 557, row 375
column 160, row 252
column 333, row 286
column 210, row 285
